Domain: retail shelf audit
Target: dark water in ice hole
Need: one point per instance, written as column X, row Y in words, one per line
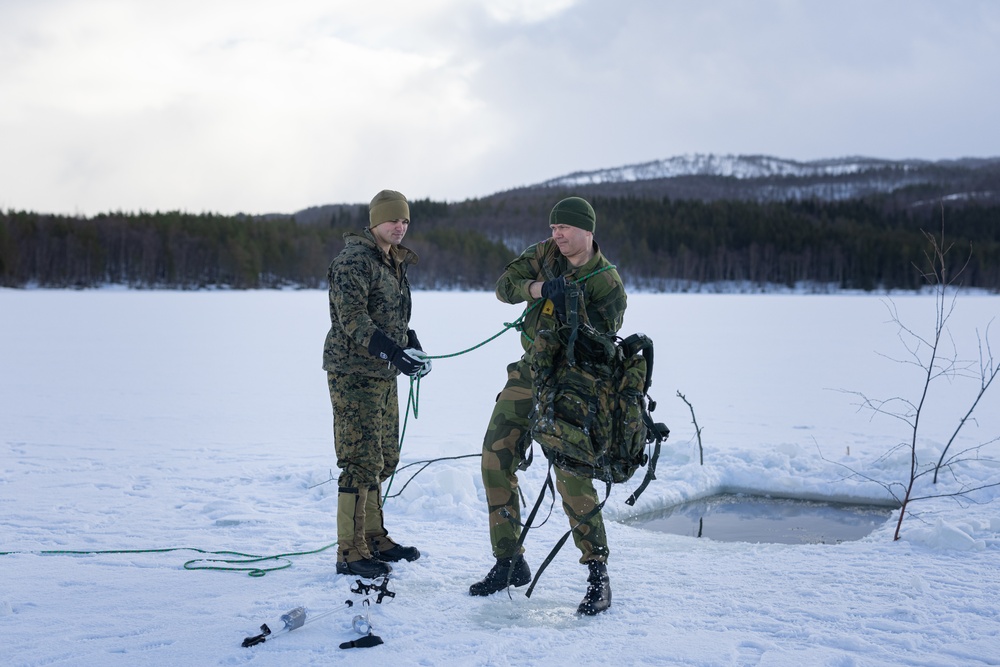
column 745, row 518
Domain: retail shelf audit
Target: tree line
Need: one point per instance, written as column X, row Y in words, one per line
column 197, row 251
column 657, row 243
column 858, row 244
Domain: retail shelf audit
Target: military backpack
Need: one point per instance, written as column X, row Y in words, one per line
column 592, row 410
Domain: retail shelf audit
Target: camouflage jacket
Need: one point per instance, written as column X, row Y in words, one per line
column 604, row 294
column 368, row 291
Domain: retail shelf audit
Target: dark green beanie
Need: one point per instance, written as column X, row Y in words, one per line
column 387, row 205
column 575, row 212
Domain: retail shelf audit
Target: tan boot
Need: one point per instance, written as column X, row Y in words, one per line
column 353, row 556
column 381, row 546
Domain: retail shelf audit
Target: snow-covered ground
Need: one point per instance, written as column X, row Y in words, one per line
column 168, row 420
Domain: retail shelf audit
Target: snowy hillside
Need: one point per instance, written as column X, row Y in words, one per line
column 735, row 166
column 763, row 178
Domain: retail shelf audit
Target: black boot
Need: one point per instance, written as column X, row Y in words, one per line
column 598, row 597
column 379, row 544
column 369, row 568
column 496, row 580
column 396, row 552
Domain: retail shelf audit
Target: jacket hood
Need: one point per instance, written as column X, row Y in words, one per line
column 365, row 237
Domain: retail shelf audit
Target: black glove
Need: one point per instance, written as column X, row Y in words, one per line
column 555, row 291
column 409, row 361
column 411, row 340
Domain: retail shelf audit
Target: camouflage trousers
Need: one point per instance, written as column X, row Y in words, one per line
column 501, row 458
column 366, row 437
column 365, row 428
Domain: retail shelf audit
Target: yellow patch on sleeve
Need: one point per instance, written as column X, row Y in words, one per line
column 549, row 307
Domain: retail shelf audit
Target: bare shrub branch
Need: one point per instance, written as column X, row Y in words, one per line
column 928, row 354
column 697, row 429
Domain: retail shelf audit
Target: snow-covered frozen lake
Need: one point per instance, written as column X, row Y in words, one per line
column 165, row 420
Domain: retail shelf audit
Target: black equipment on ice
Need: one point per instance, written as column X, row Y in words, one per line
column 296, row 618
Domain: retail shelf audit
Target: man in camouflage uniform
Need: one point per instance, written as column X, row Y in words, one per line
column 541, row 273
column 368, row 345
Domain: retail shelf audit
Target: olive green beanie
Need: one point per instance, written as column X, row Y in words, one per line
column 575, row 212
column 387, row 205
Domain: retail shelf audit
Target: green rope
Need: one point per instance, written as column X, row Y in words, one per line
column 247, row 559
column 411, row 401
column 516, row 324
column 231, row 564
column 506, row 327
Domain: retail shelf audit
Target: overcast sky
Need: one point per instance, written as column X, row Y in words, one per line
column 261, row 106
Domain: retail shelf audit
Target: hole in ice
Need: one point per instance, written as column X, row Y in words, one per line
column 749, row 518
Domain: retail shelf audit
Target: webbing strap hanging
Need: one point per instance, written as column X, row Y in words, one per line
column 529, row 449
column 649, row 477
column 573, row 294
column 527, row 524
column 659, row 432
column 562, row 540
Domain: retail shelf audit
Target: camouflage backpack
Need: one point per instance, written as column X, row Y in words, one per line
column 591, row 414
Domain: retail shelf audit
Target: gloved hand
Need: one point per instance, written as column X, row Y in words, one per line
column 411, row 340
column 555, row 291
column 409, row 361
column 425, row 361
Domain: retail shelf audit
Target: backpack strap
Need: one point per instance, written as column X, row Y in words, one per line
column 573, row 294
column 562, row 540
column 525, row 442
column 531, row 519
column 654, row 431
column 636, row 343
column 546, row 260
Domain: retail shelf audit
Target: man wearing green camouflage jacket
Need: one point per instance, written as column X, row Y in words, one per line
column 368, row 345
column 539, row 277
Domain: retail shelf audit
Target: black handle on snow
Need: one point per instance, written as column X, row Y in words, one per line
column 257, row 639
column 296, row 618
column 365, row 642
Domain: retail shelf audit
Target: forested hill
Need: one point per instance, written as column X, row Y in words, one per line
column 659, row 237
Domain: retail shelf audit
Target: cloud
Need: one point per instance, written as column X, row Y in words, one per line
column 252, row 106
column 526, row 11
